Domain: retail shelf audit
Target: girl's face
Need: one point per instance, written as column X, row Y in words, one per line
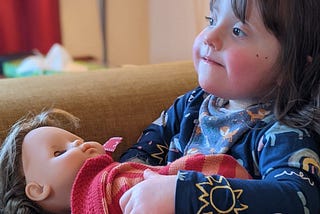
column 52, row 157
column 236, row 60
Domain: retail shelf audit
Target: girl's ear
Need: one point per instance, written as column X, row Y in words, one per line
column 37, row 192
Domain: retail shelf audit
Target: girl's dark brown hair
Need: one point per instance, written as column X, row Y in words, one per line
column 295, row 23
column 12, row 180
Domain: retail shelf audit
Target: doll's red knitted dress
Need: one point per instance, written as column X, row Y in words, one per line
column 101, row 182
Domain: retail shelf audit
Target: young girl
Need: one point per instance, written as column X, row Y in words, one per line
column 44, row 168
column 258, row 66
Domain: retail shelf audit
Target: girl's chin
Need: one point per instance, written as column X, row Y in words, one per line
column 206, row 84
column 209, row 66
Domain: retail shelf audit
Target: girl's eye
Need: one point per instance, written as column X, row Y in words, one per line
column 238, row 32
column 58, row 153
column 211, row 20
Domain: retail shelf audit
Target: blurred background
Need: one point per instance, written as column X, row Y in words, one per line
column 118, row 31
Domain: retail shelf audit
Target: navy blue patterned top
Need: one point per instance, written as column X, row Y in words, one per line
column 283, row 161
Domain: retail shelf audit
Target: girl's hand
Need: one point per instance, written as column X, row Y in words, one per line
column 156, row 194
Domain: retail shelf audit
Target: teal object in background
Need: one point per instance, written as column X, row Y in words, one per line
column 10, row 70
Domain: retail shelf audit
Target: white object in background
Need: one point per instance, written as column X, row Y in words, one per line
column 31, row 64
column 58, row 59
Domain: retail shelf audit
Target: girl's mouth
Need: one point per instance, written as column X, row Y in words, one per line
column 210, row 61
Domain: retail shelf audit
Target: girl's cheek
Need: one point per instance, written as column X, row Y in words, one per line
column 196, row 44
column 246, row 59
column 240, row 62
column 198, row 41
column 196, row 50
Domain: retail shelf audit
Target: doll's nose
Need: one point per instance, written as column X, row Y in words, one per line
column 77, row 143
column 85, row 146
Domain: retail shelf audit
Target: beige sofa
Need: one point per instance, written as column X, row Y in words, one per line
column 110, row 102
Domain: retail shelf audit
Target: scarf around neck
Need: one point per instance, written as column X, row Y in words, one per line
column 218, row 128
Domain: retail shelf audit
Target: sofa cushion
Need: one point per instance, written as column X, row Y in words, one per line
column 109, row 102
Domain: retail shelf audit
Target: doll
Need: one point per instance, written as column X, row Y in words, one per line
column 46, row 168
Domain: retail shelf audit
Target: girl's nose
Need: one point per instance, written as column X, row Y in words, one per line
column 213, row 39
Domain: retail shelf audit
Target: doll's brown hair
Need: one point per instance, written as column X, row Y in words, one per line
column 12, row 180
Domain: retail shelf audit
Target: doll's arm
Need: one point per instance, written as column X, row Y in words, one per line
column 111, row 144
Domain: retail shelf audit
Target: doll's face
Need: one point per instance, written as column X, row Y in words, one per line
column 52, row 157
column 235, row 60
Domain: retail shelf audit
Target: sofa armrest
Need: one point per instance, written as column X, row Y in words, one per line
column 110, row 102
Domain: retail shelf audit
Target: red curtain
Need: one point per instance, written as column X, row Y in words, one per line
column 28, row 24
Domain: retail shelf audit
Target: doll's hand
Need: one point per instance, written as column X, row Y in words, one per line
column 156, row 194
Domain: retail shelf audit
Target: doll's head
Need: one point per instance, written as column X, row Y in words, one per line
column 39, row 160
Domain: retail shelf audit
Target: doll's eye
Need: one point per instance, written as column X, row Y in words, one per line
column 58, row 153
